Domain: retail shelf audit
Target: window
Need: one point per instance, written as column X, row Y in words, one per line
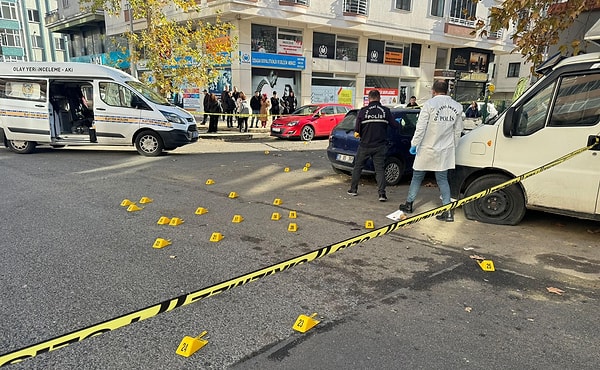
column 437, row 8
column 8, row 10
column 33, row 90
column 531, row 116
column 441, row 58
column 513, row 69
column 10, row 37
column 36, row 41
column 59, row 43
column 289, row 41
column 33, row 15
column 117, row 95
column 463, row 12
column 346, row 48
column 356, row 6
column 264, row 38
column 403, row 4
column 299, row 2
column 577, row 102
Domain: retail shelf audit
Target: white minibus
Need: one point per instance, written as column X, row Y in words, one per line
column 68, row 104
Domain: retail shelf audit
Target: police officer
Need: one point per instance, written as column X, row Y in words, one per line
column 434, row 144
column 371, row 127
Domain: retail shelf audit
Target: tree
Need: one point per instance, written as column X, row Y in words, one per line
column 177, row 51
column 536, row 24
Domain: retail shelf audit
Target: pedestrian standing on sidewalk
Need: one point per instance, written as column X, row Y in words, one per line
column 205, row 105
column 215, row 110
column 244, row 111
column 265, row 104
column 255, row 106
column 434, row 143
column 371, row 127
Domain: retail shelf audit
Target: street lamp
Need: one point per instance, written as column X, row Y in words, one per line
column 132, row 63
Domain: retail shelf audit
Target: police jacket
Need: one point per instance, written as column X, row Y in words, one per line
column 437, row 133
column 371, row 124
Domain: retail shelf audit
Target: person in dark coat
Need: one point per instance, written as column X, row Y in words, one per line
column 255, row 106
column 214, row 108
column 274, row 105
column 204, row 105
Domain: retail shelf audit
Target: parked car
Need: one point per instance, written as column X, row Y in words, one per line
column 398, row 162
column 309, row 121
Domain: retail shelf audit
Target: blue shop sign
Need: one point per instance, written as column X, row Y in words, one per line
column 278, row 61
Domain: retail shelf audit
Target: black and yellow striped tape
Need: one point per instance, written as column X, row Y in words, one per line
column 185, row 299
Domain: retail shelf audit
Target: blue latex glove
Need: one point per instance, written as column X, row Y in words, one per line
column 413, row 150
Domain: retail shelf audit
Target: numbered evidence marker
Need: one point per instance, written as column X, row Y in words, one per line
column 189, row 345
column 305, row 323
column 487, row 265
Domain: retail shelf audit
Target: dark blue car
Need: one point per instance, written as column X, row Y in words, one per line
column 398, row 162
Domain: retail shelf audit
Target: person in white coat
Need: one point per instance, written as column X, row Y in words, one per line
column 434, row 143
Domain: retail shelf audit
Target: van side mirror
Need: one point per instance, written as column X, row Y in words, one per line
column 508, row 124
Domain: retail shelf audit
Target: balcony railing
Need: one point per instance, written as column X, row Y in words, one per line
column 462, row 22
column 356, row 6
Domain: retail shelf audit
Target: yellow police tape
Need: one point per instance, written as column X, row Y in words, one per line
column 185, row 299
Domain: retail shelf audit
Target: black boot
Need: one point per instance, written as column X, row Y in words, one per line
column 406, row 207
column 447, row 216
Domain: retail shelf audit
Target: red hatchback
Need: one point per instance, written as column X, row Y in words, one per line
column 310, row 121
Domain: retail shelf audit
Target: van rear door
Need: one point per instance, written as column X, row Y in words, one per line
column 24, row 109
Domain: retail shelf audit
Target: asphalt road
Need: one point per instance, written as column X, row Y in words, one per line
column 74, row 257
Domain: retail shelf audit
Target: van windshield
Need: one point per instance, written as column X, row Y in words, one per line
column 148, row 93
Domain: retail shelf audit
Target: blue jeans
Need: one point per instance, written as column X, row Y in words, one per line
column 442, row 180
column 378, row 156
column 255, row 113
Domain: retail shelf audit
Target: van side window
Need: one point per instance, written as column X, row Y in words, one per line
column 119, row 96
column 577, row 101
column 33, row 90
column 531, row 116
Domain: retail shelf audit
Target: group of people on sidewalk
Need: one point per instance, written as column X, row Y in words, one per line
column 235, row 104
column 434, row 144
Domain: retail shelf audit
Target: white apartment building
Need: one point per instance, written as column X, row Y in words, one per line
column 336, row 50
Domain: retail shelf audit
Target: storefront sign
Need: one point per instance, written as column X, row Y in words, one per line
column 289, row 47
column 393, row 57
column 278, row 61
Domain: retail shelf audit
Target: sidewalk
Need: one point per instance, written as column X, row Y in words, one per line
column 231, row 133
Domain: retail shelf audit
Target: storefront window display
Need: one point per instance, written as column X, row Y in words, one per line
column 330, row 46
column 266, row 81
column 269, row 39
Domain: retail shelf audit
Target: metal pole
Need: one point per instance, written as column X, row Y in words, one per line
column 132, row 63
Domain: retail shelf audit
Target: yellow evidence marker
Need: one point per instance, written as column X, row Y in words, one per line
column 189, row 345
column 237, row 219
column 210, row 182
column 161, row 243
column 233, row 195
column 292, row 227
column 164, row 220
column 487, row 265
column 201, row 211
column 216, row 237
column 369, row 224
column 126, row 203
column 145, row 200
column 305, row 323
column 277, row 202
column 275, row 216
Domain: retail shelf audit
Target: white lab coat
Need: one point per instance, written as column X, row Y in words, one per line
column 438, row 129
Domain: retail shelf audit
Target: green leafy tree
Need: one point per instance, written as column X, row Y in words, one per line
column 177, row 47
column 536, row 24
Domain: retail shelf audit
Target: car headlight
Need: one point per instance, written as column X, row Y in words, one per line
column 292, row 123
column 174, row 118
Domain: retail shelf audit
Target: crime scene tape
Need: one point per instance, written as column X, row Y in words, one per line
column 79, row 335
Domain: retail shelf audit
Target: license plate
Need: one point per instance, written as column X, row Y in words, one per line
column 345, row 158
column 275, row 129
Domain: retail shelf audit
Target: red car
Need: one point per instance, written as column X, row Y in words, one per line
column 310, row 121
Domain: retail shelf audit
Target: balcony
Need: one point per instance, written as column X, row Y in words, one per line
column 459, row 27
column 55, row 22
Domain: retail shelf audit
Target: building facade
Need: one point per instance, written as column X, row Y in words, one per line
column 332, row 50
column 23, row 32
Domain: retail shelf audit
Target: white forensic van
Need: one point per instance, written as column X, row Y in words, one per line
column 557, row 115
column 62, row 104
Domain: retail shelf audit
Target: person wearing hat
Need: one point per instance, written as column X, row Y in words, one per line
column 205, row 105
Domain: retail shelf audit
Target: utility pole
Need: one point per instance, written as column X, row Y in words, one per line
column 132, row 62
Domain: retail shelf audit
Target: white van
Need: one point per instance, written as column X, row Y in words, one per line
column 557, row 115
column 62, row 104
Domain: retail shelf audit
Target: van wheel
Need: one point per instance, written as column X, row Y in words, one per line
column 149, row 144
column 308, row 133
column 21, row 147
column 503, row 207
column 393, row 171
